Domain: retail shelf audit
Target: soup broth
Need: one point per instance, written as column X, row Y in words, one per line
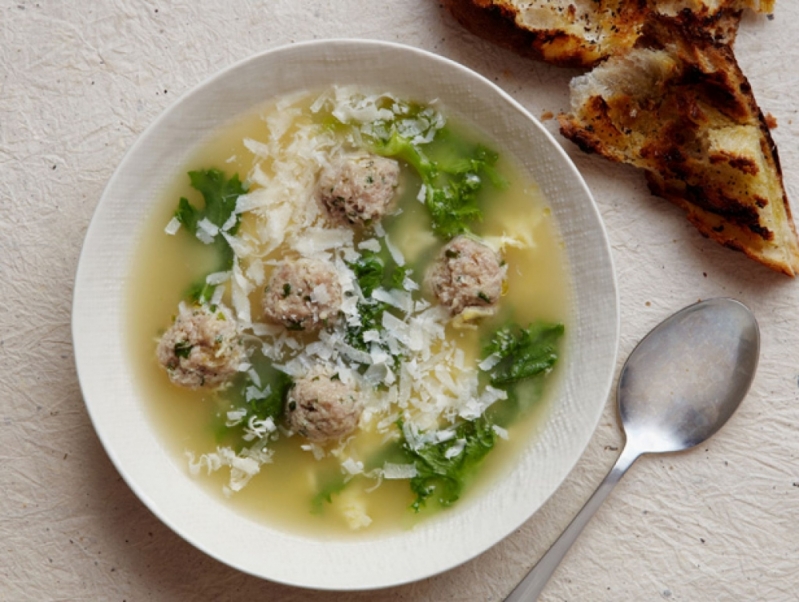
column 347, row 488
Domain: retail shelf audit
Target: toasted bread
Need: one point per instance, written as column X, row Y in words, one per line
column 678, row 106
column 581, row 33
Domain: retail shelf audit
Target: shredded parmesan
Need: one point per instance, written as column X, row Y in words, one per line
column 399, row 471
column 243, row 466
column 370, row 244
column 489, row 362
column 412, row 372
column 217, row 278
column 455, row 450
column 173, row 226
column 352, row 467
column 501, row 432
column 396, row 254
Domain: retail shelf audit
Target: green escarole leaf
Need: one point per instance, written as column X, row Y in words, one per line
column 269, row 402
column 402, row 148
column 451, row 198
column 369, row 269
column 523, row 353
column 443, row 471
column 202, row 292
column 330, row 484
column 257, row 401
column 453, row 181
column 370, row 272
column 373, row 271
column 443, row 477
column 451, row 190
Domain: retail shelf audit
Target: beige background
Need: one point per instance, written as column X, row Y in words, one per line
column 79, row 81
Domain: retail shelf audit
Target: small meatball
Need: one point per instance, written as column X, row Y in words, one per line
column 358, row 189
column 303, row 294
column 202, row 348
column 321, row 407
column 467, row 275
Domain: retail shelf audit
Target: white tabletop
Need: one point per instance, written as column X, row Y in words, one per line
column 79, row 81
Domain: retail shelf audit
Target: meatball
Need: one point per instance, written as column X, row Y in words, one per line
column 202, row 348
column 467, row 274
column 303, row 294
column 321, row 407
column 359, row 188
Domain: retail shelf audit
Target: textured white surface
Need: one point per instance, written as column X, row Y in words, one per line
column 80, row 80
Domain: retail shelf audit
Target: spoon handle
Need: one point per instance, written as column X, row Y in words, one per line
column 531, row 586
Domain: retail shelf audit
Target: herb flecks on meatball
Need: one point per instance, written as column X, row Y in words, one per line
column 467, row 274
column 303, row 294
column 202, row 348
column 358, row 189
column 321, row 407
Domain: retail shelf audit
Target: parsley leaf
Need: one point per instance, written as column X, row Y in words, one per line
column 183, row 349
column 220, row 194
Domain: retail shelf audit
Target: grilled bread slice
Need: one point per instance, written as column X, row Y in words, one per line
column 678, row 106
column 580, row 33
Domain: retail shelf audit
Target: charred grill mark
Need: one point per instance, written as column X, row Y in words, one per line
column 744, row 164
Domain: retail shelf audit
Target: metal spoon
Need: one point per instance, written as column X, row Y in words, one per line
column 678, row 387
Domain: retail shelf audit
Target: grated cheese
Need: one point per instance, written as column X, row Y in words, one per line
column 501, row 432
column 489, row 362
column 243, row 466
column 172, row 227
column 396, row 254
column 399, row 471
column 352, row 467
column 217, row 278
column 455, row 450
column 412, row 371
column 370, row 244
column 216, row 298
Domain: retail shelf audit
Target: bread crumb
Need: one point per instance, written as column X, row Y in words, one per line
column 547, row 115
column 771, row 121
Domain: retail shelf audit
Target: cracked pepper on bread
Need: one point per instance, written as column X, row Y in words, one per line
column 678, row 106
column 666, row 95
column 581, row 33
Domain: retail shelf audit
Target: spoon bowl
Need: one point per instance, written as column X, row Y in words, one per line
column 678, row 387
column 685, row 379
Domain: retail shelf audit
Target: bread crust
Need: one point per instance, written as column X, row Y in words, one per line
column 678, row 106
column 560, row 33
column 501, row 22
column 669, row 97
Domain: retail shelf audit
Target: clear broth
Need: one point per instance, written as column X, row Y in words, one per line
column 538, row 289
